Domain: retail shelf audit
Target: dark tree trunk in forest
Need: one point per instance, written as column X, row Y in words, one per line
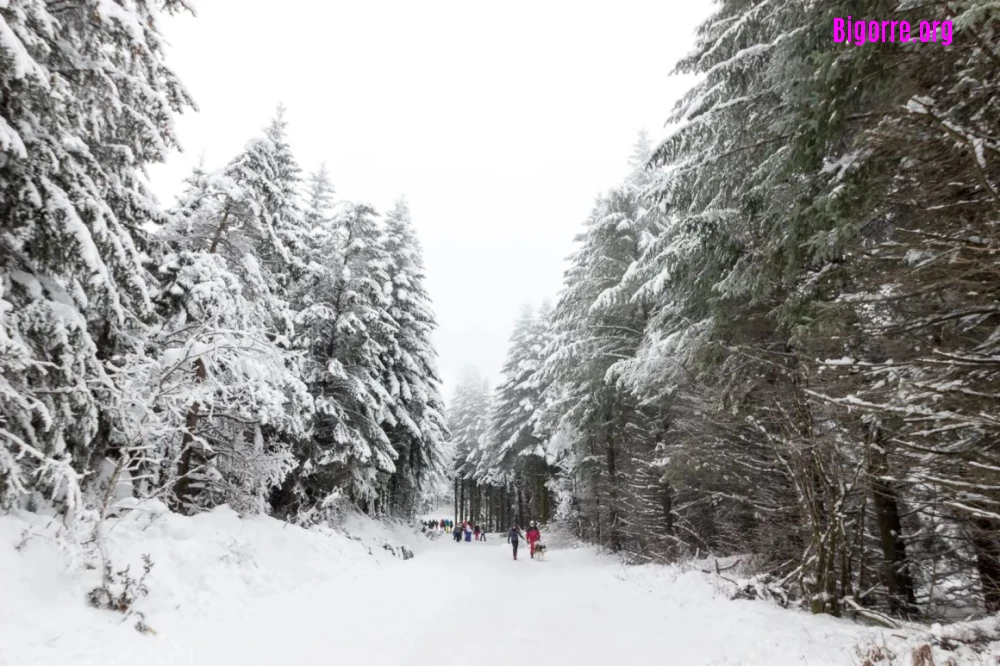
column 544, row 496
column 456, row 499
column 283, row 500
column 898, row 581
column 987, row 545
column 520, row 506
column 505, row 515
column 614, row 539
column 598, row 531
column 100, row 446
column 667, row 494
column 182, row 487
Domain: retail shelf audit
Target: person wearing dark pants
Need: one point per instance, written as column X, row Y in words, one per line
column 513, row 538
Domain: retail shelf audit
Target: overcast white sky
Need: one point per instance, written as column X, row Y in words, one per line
column 500, row 123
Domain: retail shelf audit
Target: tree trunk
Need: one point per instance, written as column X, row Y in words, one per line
column 987, row 545
column 504, row 508
column 520, row 506
column 182, row 487
column 896, row 574
column 544, row 494
column 667, row 493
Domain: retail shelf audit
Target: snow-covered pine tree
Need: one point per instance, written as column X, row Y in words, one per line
column 510, row 427
column 420, row 430
column 468, row 425
column 514, row 455
column 736, row 199
column 346, row 331
column 227, row 387
column 800, row 206
column 74, row 140
column 912, row 195
column 598, row 325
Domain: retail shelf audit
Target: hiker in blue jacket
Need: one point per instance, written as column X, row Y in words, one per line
column 513, row 537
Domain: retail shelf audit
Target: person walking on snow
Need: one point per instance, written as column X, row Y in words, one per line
column 468, row 532
column 533, row 536
column 475, row 532
column 513, row 537
column 457, row 532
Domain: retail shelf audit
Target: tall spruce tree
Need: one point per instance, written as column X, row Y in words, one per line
column 225, row 304
column 74, row 141
column 420, row 430
column 347, row 333
column 468, row 425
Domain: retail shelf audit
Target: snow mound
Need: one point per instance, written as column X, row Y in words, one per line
column 728, row 585
column 203, row 565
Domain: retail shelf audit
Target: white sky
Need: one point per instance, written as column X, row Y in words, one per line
column 500, row 123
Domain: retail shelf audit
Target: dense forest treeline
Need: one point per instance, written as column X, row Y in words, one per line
column 779, row 336
column 260, row 343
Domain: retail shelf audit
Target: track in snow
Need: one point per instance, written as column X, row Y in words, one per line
column 470, row 603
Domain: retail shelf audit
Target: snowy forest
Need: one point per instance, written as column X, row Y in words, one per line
column 779, row 336
column 258, row 343
column 777, row 339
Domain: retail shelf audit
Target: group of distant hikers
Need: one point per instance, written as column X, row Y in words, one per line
column 469, row 531
column 443, row 525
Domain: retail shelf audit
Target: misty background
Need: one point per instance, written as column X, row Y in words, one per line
column 496, row 124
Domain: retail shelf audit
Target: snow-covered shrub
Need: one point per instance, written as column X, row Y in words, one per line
column 399, row 551
column 119, row 590
column 959, row 643
column 330, row 511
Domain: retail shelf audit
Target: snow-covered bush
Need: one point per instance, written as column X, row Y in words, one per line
column 119, row 591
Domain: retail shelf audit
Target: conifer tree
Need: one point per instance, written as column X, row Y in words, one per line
column 412, row 379
column 73, row 145
column 347, row 332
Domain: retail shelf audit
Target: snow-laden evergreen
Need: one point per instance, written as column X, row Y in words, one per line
column 256, row 343
column 225, row 335
column 777, row 336
column 86, row 103
column 513, row 440
column 469, row 426
column 420, row 429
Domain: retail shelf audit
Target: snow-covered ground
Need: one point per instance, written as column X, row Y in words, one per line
column 246, row 592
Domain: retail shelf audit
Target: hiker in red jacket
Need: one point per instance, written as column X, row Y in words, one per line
column 533, row 536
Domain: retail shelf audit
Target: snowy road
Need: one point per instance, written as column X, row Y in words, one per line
column 467, row 604
column 471, row 603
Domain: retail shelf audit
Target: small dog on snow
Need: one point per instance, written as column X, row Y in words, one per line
column 540, row 552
